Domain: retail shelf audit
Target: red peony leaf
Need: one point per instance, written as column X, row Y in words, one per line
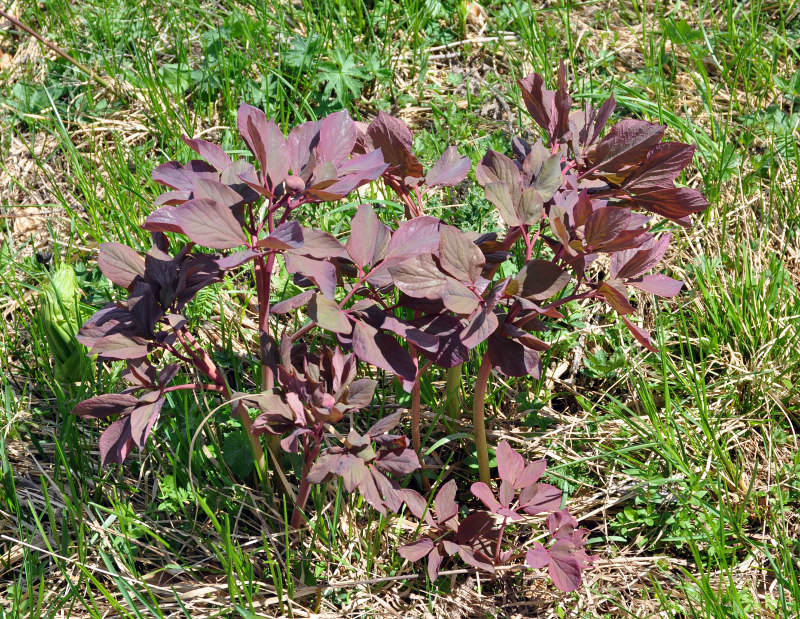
column 116, row 442
column 328, row 315
column 120, row 263
column 210, row 223
column 659, row 285
column 210, row 152
column 369, row 238
column 541, row 279
column 449, row 170
column 102, row 406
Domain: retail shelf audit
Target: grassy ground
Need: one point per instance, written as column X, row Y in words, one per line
column 684, row 464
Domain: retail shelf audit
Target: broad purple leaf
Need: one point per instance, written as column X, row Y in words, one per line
column 418, row 276
column 210, row 223
column 458, row 298
column 674, row 203
column 564, row 569
column 219, row 192
column 383, row 425
column 360, row 393
column 398, row 461
column 537, row 557
column 236, row 259
column 486, row 496
column 337, row 137
column 120, row 263
column 116, row 442
column 434, row 564
column 627, row 143
column 321, row 272
column 445, row 502
column 541, row 279
column 497, row 168
column 605, row 224
column 320, row 244
column 352, row 174
column 510, row 464
column 449, row 170
column 659, row 285
column 477, row 524
column 163, row 220
column 300, row 144
column 549, row 179
column 102, row 406
column 416, row 236
column 292, row 303
column 498, row 194
column 394, row 138
column 459, row 256
column 540, row 498
column 480, row 326
column 662, row 165
column 369, row 238
column 144, row 416
column 210, row 152
column 182, row 177
column 118, row 346
column 328, row 315
column 617, row 297
column 288, row 235
column 383, row 351
column 633, row 263
column 265, row 140
column 642, row 335
column 512, row 358
column 417, row 550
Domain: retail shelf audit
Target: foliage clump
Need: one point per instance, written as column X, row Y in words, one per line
column 405, row 298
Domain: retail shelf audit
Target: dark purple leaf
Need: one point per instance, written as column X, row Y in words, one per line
column 265, row 140
column 360, row 394
column 510, row 464
column 116, row 442
column 605, row 224
column 537, row 557
column 163, row 220
column 210, row 223
column 398, row 461
column 486, row 496
column 237, row 259
column 369, row 238
column 659, row 285
column 477, row 524
column 616, row 296
column 416, row 550
column 319, row 244
column 300, row 144
column 183, row 177
column 540, row 498
column 321, row 272
column 337, row 137
column 674, row 203
column 383, row 351
column 633, row 263
column 642, row 335
column 416, row 236
column 627, row 143
column 459, row 256
column 394, row 138
column 144, row 416
column 498, row 194
column 564, row 569
column 328, row 315
column 210, row 152
column 293, row 303
column 118, row 346
column 480, row 326
column 120, row 263
column 512, row 358
column 449, row 170
column 418, row 276
column 662, row 165
column 218, row 192
column 102, row 406
column 288, row 235
column 541, row 279
column 458, row 298
column 445, row 502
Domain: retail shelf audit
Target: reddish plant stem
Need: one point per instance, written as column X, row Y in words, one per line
column 500, row 540
column 304, row 491
column 478, row 420
column 205, row 364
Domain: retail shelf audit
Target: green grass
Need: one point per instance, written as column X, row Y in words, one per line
column 683, row 464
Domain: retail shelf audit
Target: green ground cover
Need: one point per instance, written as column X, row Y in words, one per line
column 683, row 464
